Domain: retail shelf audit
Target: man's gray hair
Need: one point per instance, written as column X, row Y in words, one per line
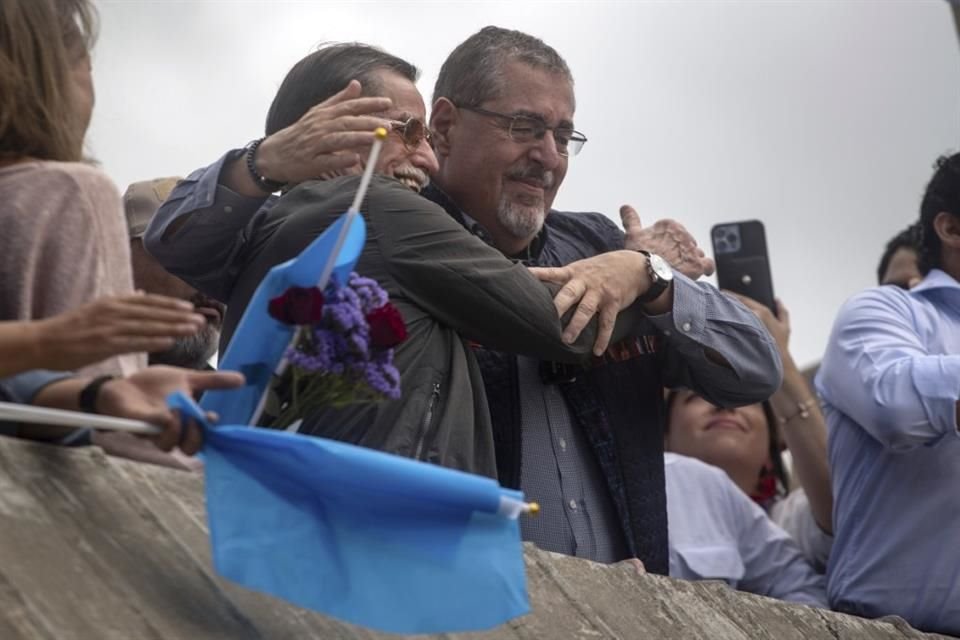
column 473, row 72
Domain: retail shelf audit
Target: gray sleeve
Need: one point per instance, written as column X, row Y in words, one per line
column 705, row 327
column 200, row 231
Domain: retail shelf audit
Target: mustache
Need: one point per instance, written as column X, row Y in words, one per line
column 410, row 171
column 534, row 173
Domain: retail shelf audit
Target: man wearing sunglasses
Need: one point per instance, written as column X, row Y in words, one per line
column 587, row 442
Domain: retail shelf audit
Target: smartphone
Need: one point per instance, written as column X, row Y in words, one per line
column 743, row 266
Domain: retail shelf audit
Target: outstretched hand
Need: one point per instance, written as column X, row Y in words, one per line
column 602, row 285
column 327, row 139
column 112, row 326
column 668, row 239
column 143, row 396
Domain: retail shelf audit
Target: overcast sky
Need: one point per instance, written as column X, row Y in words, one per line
column 822, row 119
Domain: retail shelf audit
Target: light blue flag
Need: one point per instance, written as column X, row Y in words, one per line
column 259, row 342
column 364, row 536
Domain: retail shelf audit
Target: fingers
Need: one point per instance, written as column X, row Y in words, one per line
column 782, row 314
column 556, row 275
column 205, row 380
column 191, row 438
column 170, row 435
column 630, row 218
column 569, row 295
column 608, row 317
column 707, row 265
column 581, row 317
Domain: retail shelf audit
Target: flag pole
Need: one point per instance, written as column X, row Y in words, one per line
column 28, row 414
column 380, row 134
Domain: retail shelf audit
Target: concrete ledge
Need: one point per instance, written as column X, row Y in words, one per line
column 100, row 548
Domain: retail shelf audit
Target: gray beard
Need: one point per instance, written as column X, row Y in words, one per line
column 191, row 352
column 521, row 222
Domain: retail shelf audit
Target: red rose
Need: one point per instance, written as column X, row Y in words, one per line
column 298, row 305
column 387, row 328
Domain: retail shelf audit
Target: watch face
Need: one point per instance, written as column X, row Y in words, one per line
column 660, row 267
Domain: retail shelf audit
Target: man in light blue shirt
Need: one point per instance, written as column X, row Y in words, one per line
column 890, row 382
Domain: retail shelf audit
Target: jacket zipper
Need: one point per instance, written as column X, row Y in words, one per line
column 427, row 419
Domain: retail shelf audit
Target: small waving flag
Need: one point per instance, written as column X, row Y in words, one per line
column 364, row 536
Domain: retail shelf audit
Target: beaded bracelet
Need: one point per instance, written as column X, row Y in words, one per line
column 803, row 411
column 268, row 185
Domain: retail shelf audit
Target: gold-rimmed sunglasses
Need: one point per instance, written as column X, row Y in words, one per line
column 412, row 131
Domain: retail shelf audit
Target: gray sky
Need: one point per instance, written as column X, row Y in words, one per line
column 820, row 118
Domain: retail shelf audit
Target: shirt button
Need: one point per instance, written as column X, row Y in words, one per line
column 666, row 332
column 686, row 326
column 563, row 444
column 573, row 505
column 228, row 209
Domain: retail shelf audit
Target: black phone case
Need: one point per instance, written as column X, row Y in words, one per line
column 740, row 251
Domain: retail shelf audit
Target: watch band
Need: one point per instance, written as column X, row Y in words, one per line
column 268, row 185
column 88, row 395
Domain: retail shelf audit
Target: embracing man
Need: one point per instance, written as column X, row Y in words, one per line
column 585, row 440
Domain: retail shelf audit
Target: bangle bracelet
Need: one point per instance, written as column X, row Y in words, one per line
column 803, row 411
column 268, row 185
column 88, row 395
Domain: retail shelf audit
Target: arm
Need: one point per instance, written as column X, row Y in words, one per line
column 425, row 257
column 201, row 230
column 878, row 372
column 716, row 347
column 713, row 344
column 141, row 396
column 94, row 332
column 803, row 428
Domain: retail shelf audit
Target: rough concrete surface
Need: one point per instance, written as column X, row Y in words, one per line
column 99, row 548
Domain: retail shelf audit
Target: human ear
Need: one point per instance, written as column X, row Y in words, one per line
column 443, row 120
column 947, row 227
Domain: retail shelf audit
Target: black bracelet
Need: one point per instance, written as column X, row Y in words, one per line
column 88, row 395
column 268, row 185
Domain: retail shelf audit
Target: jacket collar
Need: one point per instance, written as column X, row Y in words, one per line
column 435, row 194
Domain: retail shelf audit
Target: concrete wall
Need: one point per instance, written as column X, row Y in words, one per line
column 99, row 548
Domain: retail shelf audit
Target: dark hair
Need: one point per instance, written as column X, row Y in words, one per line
column 40, row 42
column 326, row 71
column 909, row 238
column 773, row 433
column 942, row 194
column 473, row 72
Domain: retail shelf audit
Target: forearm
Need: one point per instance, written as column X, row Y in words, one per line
column 44, row 389
column 805, row 433
column 201, row 229
column 20, row 348
column 717, row 347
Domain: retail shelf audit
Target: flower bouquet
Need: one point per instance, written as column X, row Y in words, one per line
column 342, row 352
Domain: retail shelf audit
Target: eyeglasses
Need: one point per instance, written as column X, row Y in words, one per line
column 412, row 132
column 525, row 129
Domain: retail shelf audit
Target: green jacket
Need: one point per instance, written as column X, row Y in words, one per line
column 451, row 288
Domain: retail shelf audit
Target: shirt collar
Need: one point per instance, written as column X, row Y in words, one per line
column 936, row 279
column 435, row 194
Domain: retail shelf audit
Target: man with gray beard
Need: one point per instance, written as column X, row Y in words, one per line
column 584, row 441
column 140, row 202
